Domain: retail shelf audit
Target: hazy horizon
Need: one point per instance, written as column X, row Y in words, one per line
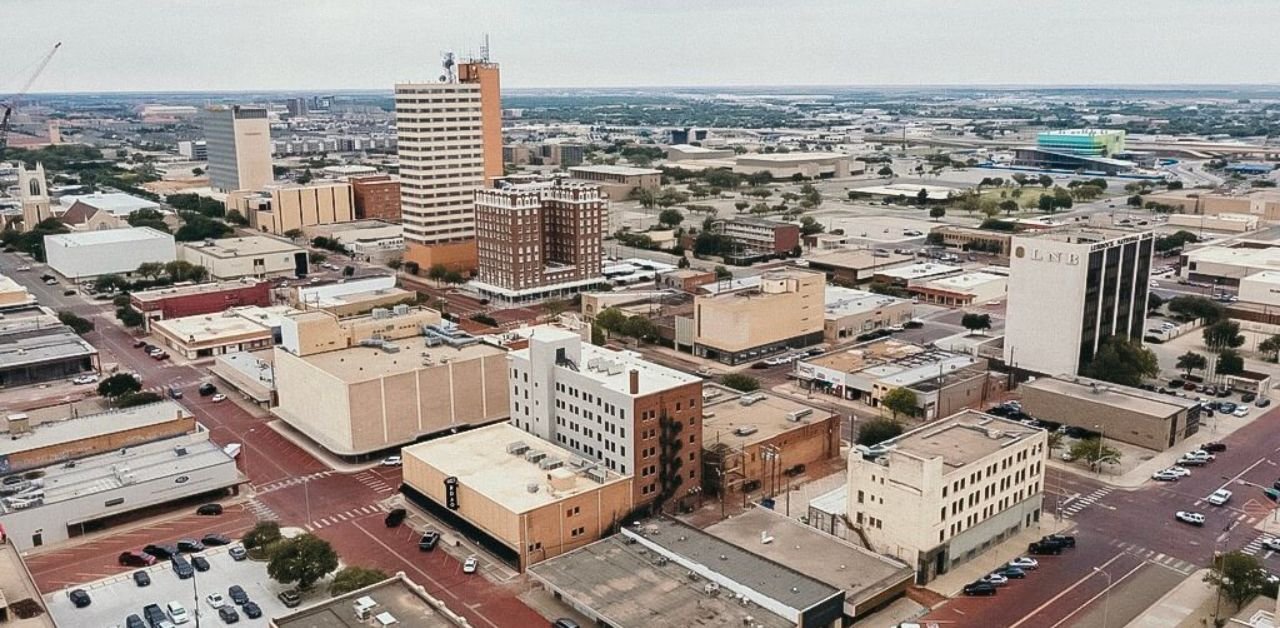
column 326, row 45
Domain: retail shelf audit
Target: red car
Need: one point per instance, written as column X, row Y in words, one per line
column 136, row 559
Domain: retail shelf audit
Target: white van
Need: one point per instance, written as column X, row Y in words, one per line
column 178, row 613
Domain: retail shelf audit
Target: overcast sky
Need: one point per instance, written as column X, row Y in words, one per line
column 123, row 45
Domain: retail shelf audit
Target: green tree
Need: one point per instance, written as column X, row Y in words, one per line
column 809, row 226
column 117, row 385
column 129, row 400
column 199, row 227
column 1238, row 576
column 1191, row 361
column 1008, row 207
column 640, row 328
column 723, row 273
column 922, row 197
column 77, row 324
column 1191, row 308
column 293, row 234
column 350, row 579
column 611, row 319
column 555, row 307
column 316, row 258
column 454, row 277
column 645, row 197
column 1271, row 347
column 1224, row 334
column 901, row 401
column 129, row 317
column 885, row 171
column 670, row 217
column 411, row 267
column 303, row 559
column 1229, row 363
column 236, row 218
column 741, row 205
column 1134, row 201
column 147, row 217
column 683, row 263
column 1045, row 180
column 1120, row 360
column 597, row 335
column 975, row 322
column 738, row 381
column 1094, row 452
column 150, row 270
column 878, row 430
column 937, row 212
column 1054, row 440
column 437, row 272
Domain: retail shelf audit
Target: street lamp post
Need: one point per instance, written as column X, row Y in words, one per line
column 1106, row 600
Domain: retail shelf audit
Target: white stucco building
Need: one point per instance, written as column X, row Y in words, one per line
column 83, row 255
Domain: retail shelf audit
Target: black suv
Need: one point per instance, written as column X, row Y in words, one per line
column 209, row 509
column 79, row 597
column 161, row 551
column 396, row 517
column 228, row 615
column 181, row 567
column 237, row 594
column 214, row 540
column 979, row 588
column 207, row 389
column 1040, row 548
column 190, row 545
column 1065, row 540
column 429, row 540
column 154, row 614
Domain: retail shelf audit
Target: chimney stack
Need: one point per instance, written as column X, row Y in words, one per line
column 635, row 382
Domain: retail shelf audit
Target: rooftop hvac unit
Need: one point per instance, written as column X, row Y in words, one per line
column 517, row 448
column 593, row 364
column 796, row 415
column 390, row 347
column 548, row 464
column 745, row 430
column 596, row 474
column 400, row 310
column 532, row 487
column 660, row 561
column 380, row 313
column 614, row 368
column 711, row 588
column 747, row 400
column 180, row 451
column 534, row 455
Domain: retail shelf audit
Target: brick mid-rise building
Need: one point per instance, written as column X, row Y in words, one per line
column 536, row 241
column 205, row 298
column 376, row 196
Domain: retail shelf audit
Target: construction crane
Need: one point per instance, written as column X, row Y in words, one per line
column 10, row 106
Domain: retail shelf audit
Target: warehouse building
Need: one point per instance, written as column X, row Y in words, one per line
column 962, row 290
column 1132, row 415
column 88, row 254
column 849, row 313
column 35, row 347
column 236, row 329
column 248, row 256
column 204, row 298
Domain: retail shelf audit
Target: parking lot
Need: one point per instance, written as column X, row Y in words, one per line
column 117, row 597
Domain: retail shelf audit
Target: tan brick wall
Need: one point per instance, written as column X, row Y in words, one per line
column 100, row 444
column 1123, row 425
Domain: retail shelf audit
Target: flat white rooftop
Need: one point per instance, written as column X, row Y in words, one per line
column 235, row 322
column 922, row 270
column 626, row 171
column 965, row 282
column 594, row 364
column 239, row 247
column 847, row 301
column 158, row 294
column 1266, row 276
column 91, row 425
column 1257, row 258
column 107, row 236
column 117, row 203
column 479, row 459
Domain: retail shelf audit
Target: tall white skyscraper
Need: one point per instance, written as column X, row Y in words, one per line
column 238, row 145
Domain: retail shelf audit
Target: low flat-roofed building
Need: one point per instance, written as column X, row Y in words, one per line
column 869, row 372
column 758, row 238
column 913, row 273
column 394, row 601
column 37, row 348
column 372, row 240
column 1262, row 287
column 17, row 585
column 1132, row 415
column 617, row 182
column 853, row 267
column 689, row 152
column 357, row 394
column 203, row 298
column 1228, row 265
column 1227, row 222
column 738, row 428
column 971, row 239
column 1261, row 202
column 53, row 435
column 236, row 329
column 83, row 255
column 962, row 290
column 125, row 460
column 850, row 313
column 524, row 498
column 812, row 165
column 351, row 297
column 869, row 580
column 14, row 294
column 246, row 256
column 251, row 373
column 785, row 310
column 938, row 495
column 686, row 279
column 640, row 578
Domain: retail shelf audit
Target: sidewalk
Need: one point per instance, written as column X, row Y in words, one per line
column 953, row 581
column 317, row 452
column 1185, row 606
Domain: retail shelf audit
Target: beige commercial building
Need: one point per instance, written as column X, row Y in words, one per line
column 617, row 182
column 1228, row 222
column 249, row 256
column 351, row 297
column 238, row 142
column 937, row 496
column 689, row 152
column 533, row 499
column 1229, row 265
column 942, row 380
column 784, row 311
column 277, row 209
column 1262, row 203
column 14, row 294
column 375, row 241
column 759, row 440
column 787, row 165
column 1132, row 415
column 854, row 267
column 449, row 143
column 849, row 313
column 970, row 239
column 1262, row 288
column 363, row 385
column 394, row 601
column 235, row 329
column 962, row 290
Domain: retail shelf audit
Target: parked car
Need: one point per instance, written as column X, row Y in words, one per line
column 564, row 622
column 237, row 594
column 1165, row 475
column 190, row 545
column 1262, row 402
column 181, row 567
column 154, row 615
column 178, row 612
column 1192, row 462
column 289, row 598
column 1012, row 572
column 470, row 565
column 1025, row 562
column 996, row 579
column 215, row 600
column 238, row 553
column 228, row 615
column 136, row 559
column 392, row 461
column 215, row 540
column 1242, row 411
column 80, row 598
column 200, row 563
column 1214, row 447
column 85, row 379
column 979, row 588
column 429, row 540
column 1219, row 497
column 1193, row 518
column 133, row 621
column 1179, row 471
column 218, row 398
column 161, row 551
column 141, row 578
column 1227, row 407
column 209, row 509
column 206, row 389
column 1066, row 540
column 1248, row 397
column 251, row 610
column 396, row 517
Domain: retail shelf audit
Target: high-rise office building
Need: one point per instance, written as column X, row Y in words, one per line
column 1070, row 289
column 238, row 140
column 535, row 242
column 449, row 145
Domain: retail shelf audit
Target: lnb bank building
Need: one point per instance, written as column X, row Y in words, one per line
column 1070, row 289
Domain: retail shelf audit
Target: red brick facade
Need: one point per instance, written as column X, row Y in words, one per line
column 376, row 196
column 155, row 305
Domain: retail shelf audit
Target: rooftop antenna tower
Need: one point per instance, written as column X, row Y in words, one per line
column 484, row 49
column 450, row 66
